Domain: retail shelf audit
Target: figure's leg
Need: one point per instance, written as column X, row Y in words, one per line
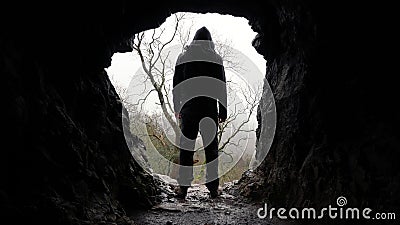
column 189, row 128
column 208, row 130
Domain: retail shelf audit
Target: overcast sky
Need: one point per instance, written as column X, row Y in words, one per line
column 235, row 29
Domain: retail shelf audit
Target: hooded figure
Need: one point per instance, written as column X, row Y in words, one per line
column 200, row 101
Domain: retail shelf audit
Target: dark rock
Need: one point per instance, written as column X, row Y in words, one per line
column 165, row 187
column 335, row 134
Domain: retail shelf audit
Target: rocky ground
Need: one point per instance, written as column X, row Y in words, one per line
column 199, row 209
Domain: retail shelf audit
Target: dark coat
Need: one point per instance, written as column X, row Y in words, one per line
column 200, row 59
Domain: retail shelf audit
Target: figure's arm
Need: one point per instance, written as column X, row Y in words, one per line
column 222, row 114
column 176, row 93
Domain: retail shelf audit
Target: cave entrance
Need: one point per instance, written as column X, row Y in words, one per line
column 143, row 80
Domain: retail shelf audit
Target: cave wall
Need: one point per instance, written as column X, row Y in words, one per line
column 336, row 125
column 65, row 159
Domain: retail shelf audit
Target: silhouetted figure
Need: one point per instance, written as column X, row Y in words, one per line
column 199, row 92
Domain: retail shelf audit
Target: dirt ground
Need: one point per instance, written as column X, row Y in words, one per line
column 199, row 209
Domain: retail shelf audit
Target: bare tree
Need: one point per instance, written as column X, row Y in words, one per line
column 154, row 64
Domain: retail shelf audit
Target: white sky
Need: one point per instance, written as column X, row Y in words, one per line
column 235, row 29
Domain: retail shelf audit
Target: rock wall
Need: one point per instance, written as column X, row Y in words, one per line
column 64, row 156
column 336, row 128
column 65, row 160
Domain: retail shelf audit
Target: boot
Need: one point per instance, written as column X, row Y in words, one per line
column 181, row 192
